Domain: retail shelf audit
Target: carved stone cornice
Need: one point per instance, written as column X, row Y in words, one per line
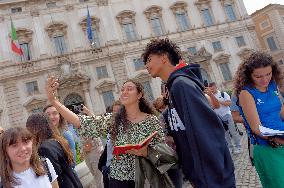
column 126, row 15
column 69, row 7
column 227, row 1
column 245, row 53
column 153, row 10
column 142, row 76
column 35, row 102
column 95, row 22
column 200, row 3
column 180, row 5
column 24, row 35
column 222, row 58
column 56, row 28
column 202, row 55
column 105, row 85
column 102, row 2
column 73, row 80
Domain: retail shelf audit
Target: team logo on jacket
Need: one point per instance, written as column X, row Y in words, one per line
column 174, row 120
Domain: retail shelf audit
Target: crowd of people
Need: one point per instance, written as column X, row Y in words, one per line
column 194, row 124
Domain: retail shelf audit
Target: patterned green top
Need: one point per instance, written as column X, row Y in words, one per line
column 124, row 167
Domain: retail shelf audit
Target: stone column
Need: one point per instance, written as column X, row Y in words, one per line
column 88, row 99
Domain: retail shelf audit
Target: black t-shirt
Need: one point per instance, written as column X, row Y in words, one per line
column 67, row 178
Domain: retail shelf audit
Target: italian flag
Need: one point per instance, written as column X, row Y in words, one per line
column 14, row 41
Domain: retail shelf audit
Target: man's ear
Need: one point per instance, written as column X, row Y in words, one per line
column 164, row 59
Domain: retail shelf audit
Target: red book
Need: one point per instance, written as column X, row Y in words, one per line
column 117, row 150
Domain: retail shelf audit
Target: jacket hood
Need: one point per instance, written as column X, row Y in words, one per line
column 191, row 71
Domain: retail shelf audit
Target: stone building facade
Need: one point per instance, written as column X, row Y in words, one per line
column 217, row 34
column 269, row 27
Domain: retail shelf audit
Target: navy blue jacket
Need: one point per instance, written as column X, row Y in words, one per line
column 209, row 159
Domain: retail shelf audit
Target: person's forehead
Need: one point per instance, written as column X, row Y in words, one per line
column 262, row 71
column 129, row 84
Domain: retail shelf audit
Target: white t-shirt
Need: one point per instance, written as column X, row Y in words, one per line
column 222, row 110
column 28, row 178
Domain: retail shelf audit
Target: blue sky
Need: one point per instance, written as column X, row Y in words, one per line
column 253, row 5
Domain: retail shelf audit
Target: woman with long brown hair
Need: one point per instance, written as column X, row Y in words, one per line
column 256, row 86
column 132, row 124
column 60, row 127
column 20, row 165
column 55, row 148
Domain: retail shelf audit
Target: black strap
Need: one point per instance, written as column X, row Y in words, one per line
column 45, row 166
column 222, row 94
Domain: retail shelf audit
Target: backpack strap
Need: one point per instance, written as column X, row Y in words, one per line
column 222, row 94
column 46, row 169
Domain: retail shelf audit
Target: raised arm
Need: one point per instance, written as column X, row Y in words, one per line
column 51, row 87
column 248, row 106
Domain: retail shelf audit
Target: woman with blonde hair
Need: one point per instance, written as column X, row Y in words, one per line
column 20, row 165
column 256, row 85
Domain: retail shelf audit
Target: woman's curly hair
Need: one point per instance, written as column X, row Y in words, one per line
column 256, row 60
column 120, row 118
column 161, row 47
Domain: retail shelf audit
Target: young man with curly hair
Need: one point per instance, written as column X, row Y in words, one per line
column 197, row 131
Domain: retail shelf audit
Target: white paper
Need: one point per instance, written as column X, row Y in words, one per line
column 270, row 132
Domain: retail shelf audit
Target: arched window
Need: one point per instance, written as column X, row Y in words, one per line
column 73, row 101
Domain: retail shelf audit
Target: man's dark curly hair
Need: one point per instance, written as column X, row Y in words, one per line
column 256, row 60
column 161, row 47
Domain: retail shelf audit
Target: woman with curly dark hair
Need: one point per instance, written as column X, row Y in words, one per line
column 256, row 85
column 132, row 124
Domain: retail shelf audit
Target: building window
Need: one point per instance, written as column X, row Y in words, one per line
column 208, row 20
column 60, row 46
column 26, row 52
column 271, row 43
column 51, row 4
column 32, row 87
column 108, row 98
column 182, row 20
column 83, row 1
column 230, row 13
column 37, row 110
column 217, row 46
column 157, row 26
column 129, row 31
column 16, row 9
column 101, row 72
column 192, row 50
column 205, row 75
column 148, row 91
column 226, row 71
column 264, row 24
column 138, row 64
column 240, row 41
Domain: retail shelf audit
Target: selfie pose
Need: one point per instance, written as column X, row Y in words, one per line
column 132, row 124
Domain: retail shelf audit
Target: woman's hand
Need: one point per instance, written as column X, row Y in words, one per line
column 51, row 87
column 86, row 111
column 142, row 152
